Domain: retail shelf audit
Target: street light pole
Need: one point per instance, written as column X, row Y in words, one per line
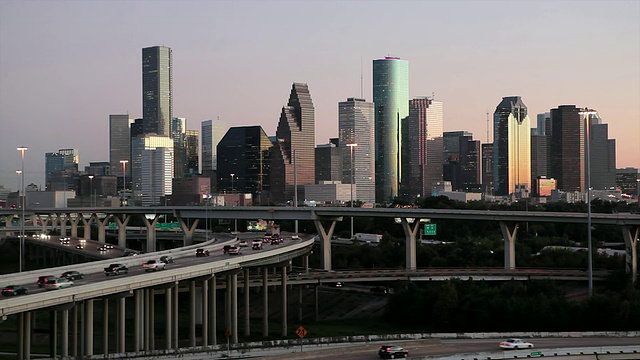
column 22, row 149
column 124, row 180
column 587, row 113
column 232, row 188
column 351, row 146
column 91, row 190
column 295, row 188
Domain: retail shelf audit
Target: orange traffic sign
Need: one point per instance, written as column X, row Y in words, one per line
column 301, row 331
column 227, row 333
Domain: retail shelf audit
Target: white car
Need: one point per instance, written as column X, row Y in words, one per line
column 153, row 265
column 295, row 237
column 515, row 344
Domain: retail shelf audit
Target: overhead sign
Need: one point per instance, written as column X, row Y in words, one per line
column 301, row 331
column 430, row 229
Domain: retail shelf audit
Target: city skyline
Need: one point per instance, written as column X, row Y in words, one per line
column 66, row 66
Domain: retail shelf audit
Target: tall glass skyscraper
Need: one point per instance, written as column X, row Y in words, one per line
column 356, row 126
column 151, row 168
column 119, row 141
column 212, row 132
column 567, row 161
column 157, row 89
column 511, row 147
column 179, row 136
column 391, row 99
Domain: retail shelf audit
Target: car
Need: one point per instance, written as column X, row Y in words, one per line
column 266, row 238
column 102, row 248
column 234, row 250
column 225, row 249
column 58, row 283
column 116, row 269
column 14, row 290
column 41, row 280
column 275, row 242
column 379, row 290
column 153, row 265
column 72, row 275
column 277, row 238
column 131, row 253
column 80, row 246
column 167, row 259
column 339, row 284
column 65, row 241
column 392, row 352
column 108, row 246
column 295, row 237
column 243, row 243
column 256, row 245
column 513, row 343
column 202, row 252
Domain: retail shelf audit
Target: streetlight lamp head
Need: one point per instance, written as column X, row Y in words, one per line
column 22, row 148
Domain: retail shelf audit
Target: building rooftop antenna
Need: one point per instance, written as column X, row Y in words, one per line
column 487, row 126
column 361, row 77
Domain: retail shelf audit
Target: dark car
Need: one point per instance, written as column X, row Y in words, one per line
column 226, row 248
column 14, row 290
column 72, row 275
column 166, row 259
column 392, row 352
column 275, row 242
column 202, row 252
column 116, row 269
column 41, row 280
column 379, row 290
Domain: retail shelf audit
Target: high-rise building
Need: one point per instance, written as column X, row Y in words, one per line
column 543, row 123
column 157, row 89
column 293, row 157
column 628, row 180
column 422, row 148
column 53, row 163
column 244, row 159
column 119, row 141
column 71, row 159
column 602, row 154
column 391, row 99
column 511, row 147
column 212, row 132
column 192, row 152
column 356, row 126
column 539, row 158
column 462, row 167
column 487, row 168
column 329, row 161
column 179, row 136
column 151, row 168
column 567, row 149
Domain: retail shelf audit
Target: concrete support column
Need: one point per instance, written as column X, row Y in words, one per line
column 299, row 303
column 509, row 236
column 410, row 231
column 213, row 300
column 188, row 230
column 306, row 263
column 74, row 338
column 121, row 322
column 234, row 308
column 137, row 326
column 152, row 317
column 102, row 225
column 168, row 328
column 88, row 327
column 265, row 302
column 192, row 313
column 317, row 314
column 325, row 243
column 86, row 226
column 147, row 319
column 27, row 335
column 105, row 326
column 227, row 304
column 247, row 322
column 283, row 280
column 630, row 235
column 122, row 230
column 176, row 290
column 20, row 335
column 63, row 224
column 64, row 351
column 151, row 233
column 74, row 225
column 205, row 312
column 53, row 334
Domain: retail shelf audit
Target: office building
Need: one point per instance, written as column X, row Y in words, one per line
column 543, row 123
column 539, row 158
column 99, row 168
column 602, row 154
column 329, row 161
column 157, row 90
column 179, row 136
column 356, row 126
column 192, row 152
column 244, row 160
column 462, row 167
column 567, row 163
column 628, row 180
column 391, row 99
column 293, row 157
column 53, row 162
column 511, row 147
column 422, row 148
column 119, row 141
column 212, row 132
column 487, row 168
column 151, row 168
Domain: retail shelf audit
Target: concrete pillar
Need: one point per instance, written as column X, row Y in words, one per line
column 64, row 351
column 204, row 305
column 227, row 304
column 74, row 225
column 27, row 335
column 20, row 336
column 247, row 323
column 74, row 338
column 63, row 224
column 168, row 328
column 325, row 243
column 188, row 230
column 147, row 319
column 102, row 224
column 234, row 308
column 410, row 231
column 509, row 236
column 316, row 303
column 88, row 327
column 265, row 302
column 122, row 230
column 86, row 226
column 151, row 233
column 121, row 322
column 283, row 281
column 176, row 320
column 137, row 327
column 306, row 263
column 192, row 313
column 213, row 299
column 152, row 317
column 299, row 303
column 105, row 326
column 630, row 235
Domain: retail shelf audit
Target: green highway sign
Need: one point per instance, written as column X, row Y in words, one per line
column 536, row 353
column 430, row 229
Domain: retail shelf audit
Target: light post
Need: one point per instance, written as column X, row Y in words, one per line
column 232, row 177
column 124, row 180
column 351, row 146
column 22, row 149
column 587, row 114
column 91, row 190
column 295, row 188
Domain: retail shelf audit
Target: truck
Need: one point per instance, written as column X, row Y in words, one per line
column 368, row 238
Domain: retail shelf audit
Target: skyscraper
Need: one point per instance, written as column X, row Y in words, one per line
column 567, row 149
column 119, row 141
column 539, row 163
column 487, row 168
column 602, row 151
column 329, row 161
column 151, row 168
column 192, row 152
column 462, row 167
column 391, row 99
column 179, row 136
column 511, row 147
column 293, row 156
column 157, row 89
column 356, row 126
column 212, row 132
column 422, row 147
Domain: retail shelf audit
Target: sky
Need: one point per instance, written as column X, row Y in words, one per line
column 65, row 66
